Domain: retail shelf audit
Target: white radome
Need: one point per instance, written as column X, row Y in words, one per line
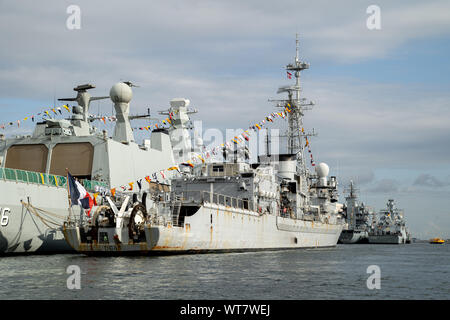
column 121, row 93
column 322, row 170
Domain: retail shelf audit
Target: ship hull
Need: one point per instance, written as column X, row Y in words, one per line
column 213, row 229
column 387, row 239
column 353, row 237
column 32, row 231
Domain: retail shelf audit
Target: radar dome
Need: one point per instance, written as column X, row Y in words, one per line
column 322, row 170
column 121, row 93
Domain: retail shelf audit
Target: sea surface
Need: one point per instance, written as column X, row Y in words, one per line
column 413, row 271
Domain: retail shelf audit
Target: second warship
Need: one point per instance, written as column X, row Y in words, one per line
column 358, row 218
column 390, row 226
column 275, row 203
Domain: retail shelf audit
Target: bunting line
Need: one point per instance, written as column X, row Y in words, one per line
column 198, row 158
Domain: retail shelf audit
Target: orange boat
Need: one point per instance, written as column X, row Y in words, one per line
column 437, row 241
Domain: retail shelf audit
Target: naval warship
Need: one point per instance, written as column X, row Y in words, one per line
column 358, row 218
column 221, row 206
column 390, row 226
column 33, row 169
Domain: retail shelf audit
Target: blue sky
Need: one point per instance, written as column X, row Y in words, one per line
column 382, row 96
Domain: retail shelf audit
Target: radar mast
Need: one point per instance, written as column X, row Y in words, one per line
column 296, row 136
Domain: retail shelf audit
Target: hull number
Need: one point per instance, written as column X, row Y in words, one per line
column 4, row 218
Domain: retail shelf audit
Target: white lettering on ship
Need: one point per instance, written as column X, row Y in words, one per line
column 4, row 218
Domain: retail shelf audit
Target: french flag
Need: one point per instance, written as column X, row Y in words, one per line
column 79, row 195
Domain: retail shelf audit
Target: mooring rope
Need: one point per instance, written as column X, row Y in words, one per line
column 45, row 220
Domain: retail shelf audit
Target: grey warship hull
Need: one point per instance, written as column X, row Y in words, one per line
column 387, row 239
column 23, row 231
column 213, row 228
column 353, row 237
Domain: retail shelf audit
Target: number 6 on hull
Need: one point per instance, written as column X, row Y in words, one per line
column 5, row 218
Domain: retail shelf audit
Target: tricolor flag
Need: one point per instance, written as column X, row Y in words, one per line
column 78, row 194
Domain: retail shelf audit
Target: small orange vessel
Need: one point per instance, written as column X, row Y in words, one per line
column 437, row 241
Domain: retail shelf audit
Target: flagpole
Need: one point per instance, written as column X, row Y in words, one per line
column 68, row 194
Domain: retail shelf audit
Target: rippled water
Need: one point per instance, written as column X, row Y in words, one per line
column 415, row 271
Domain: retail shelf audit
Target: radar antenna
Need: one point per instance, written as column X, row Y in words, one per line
column 83, row 98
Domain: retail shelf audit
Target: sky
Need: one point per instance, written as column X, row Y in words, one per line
column 382, row 96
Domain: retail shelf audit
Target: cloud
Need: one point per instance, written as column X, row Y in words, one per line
column 195, row 39
column 427, row 180
column 385, row 186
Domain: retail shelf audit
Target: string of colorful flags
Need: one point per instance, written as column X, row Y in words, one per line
column 198, row 158
column 55, row 110
column 309, row 149
column 59, row 109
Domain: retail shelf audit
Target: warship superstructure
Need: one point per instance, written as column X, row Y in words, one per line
column 390, row 226
column 233, row 205
column 358, row 219
column 33, row 169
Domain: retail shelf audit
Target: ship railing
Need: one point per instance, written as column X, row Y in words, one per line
column 201, row 197
column 39, row 178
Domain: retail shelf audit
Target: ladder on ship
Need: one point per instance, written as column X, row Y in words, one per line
column 176, row 208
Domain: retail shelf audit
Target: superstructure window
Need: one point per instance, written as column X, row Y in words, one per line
column 217, row 168
column 29, row 157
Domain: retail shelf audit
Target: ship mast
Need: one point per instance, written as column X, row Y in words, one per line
column 297, row 105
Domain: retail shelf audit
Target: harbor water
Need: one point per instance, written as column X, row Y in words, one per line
column 414, row 271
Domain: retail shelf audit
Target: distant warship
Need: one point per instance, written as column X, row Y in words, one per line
column 390, row 226
column 33, row 183
column 275, row 203
column 357, row 215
